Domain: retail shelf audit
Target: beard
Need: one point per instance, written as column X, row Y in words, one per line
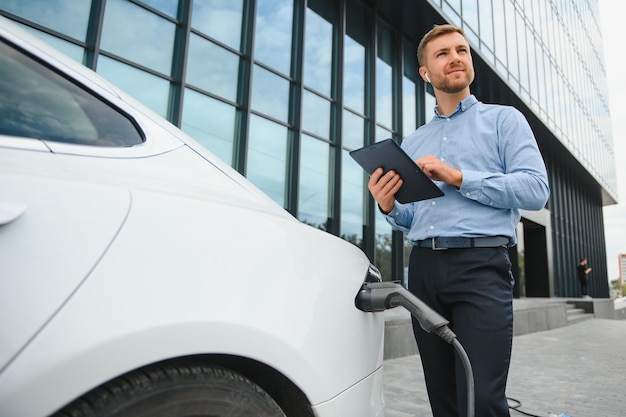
column 456, row 85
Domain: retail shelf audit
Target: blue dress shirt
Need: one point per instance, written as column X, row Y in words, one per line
column 503, row 171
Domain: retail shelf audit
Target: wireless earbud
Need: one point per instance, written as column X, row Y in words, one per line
column 427, row 78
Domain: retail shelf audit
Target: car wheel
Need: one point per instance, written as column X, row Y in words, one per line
column 176, row 390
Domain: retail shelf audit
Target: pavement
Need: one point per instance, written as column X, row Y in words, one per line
column 578, row 370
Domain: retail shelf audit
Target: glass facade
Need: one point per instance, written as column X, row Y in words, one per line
column 550, row 54
column 284, row 89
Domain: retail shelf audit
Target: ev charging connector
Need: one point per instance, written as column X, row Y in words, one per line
column 380, row 296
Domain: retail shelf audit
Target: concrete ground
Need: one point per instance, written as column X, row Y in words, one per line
column 578, row 370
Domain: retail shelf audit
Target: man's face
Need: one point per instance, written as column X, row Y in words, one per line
column 449, row 63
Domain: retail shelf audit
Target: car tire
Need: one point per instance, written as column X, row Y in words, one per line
column 176, row 390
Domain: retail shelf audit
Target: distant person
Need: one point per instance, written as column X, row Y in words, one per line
column 583, row 277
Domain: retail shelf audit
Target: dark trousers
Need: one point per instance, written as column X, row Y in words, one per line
column 584, row 287
column 472, row 288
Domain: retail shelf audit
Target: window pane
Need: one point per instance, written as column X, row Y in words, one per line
column 353, row 130
column 267, row 157
column 470, row 14
column 486, row 24
column 429, row 106
column 135, row 34
column 318, row 48
column 147, row 88
column 212, row 68
column 511, row 40
column 382, row 134
column 409, row 106
column 382, row 253
column 169, row 7
column 499, row 29
column 210, row 122
column 384, row 79
column 273, row 33
column 354, row 56
column 75, row 52
column 352, row 188
column 314, row 173
column 36, row 102
column 220, row 19
column 315, row 114
column 69, row 17
column 354, row 75
column 383, row 94
column 270, row 94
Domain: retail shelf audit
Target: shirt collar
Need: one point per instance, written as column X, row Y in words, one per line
column 463, row 105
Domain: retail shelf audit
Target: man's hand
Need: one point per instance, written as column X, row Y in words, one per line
column 438, row 170
column 384, row 188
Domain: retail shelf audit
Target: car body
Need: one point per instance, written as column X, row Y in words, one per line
column 140, row 251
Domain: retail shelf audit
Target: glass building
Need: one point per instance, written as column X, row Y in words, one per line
column 284, row 89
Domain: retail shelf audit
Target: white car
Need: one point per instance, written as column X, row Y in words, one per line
column 140, row 275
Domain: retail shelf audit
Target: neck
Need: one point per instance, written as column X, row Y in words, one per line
column 446, row 102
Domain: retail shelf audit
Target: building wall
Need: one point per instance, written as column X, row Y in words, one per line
column 284, row 89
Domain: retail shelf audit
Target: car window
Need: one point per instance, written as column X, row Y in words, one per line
column 37, row 102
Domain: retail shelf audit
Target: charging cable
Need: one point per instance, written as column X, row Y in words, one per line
column 380, row 296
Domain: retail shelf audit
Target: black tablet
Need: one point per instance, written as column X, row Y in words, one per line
column 388, row 155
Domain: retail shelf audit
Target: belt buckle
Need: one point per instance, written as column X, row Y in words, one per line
column 433, row 245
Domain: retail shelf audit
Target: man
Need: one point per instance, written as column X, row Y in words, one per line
column 485, row 159
column 583, row 270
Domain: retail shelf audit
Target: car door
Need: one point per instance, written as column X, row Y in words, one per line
column 55, row 224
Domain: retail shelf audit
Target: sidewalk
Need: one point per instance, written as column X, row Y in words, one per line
column 578, row 370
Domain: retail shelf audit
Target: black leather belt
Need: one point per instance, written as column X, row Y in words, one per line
column 441, row 243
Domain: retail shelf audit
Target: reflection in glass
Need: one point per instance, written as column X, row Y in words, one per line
column 147, row 88
column 381, row 133
column 267, row 157
column 134, row 33
column 523, row 57
column 77, row 53
column 169, row 7
column 430, row 102
column 382, row 251
column 69, row 17
column 384, row 78
column 273, row 34
column 511, row 40
column 314, row 178
column 353, row 130
column 212, row 68
column 315, row 114
column 318, row 48
column 499, row 28
column 409, row 107
column 354, row 75
column 352, row 199
column 36, row 102
column 408, row 247
column 210, row 122
column 486, row 25
column 384, row 93
column 219, row 19
column 270, row 94
column 470, row 13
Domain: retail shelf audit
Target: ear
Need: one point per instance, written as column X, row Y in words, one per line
column 424, row 74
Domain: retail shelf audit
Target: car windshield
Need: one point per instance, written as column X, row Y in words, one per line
column 37, row 102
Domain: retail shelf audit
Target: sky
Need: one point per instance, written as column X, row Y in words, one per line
column 612, row 13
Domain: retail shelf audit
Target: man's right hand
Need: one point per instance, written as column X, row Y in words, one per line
column 384, row 188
